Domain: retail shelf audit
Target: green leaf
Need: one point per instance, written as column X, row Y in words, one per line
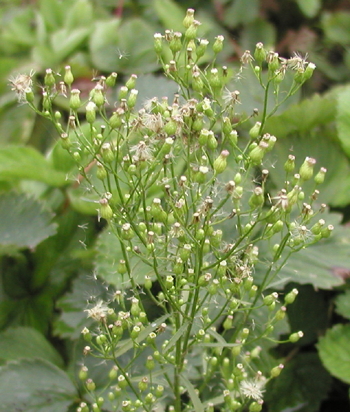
column 103, row 44
column 302, row 385
column 334, row 351
column 309, row 7
column 26, row 163
column 197, row 404
column 304, row 116
column 343, row 118
column 64, row 42
column 23, row 222
column 23, row 342
column 72, row 317
column 238, row 13
column 336, row 26
column 342, row 304
column 53, row 12
column 81, row 14
column 170, row 14
column 335, row 190
column 107, row 259
column 35, row 386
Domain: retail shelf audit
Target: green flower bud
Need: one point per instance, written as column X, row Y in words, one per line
column 90, row 112
column 122, row 382
column 307, row 168
column 135, row 332
column 218, row 44
column 49, row 79
column 65, row 141
column 132, row 98
column 254, row 132
column 257, row 198
column 131, row 83
column 143, row 384
column 319, row 178
column 256, row 406
column 29, row 95
column 309, row 71
column 90, row 385
column 188, row 20
column 276, row 371
column 175, row 44
column 259, row 53
column 273, row 62
column 106, row 211
column 68, row 76
column 220, row 163
column 150, row 364
column 107, row 153
column 269, row 299
column 159, row 391
column 115, row 120
column 126, row 231
column 98, row 96
column 111, row 79
column 74, row 101
column 158, row 44
column 170, row 127
column 201, row 49
column 228, row 322
column 226, row 126
column 83, row 373
column 317, row 227
column 204, row 279
column 294, row 337
column 212, row 142
column 191, row 32
column 290, row 164
column 327, row 231
column 257, row 154
column 214, row 79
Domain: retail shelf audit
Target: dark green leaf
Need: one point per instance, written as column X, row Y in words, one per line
column 309, row 7
column 23, row 222
column 302, row 385
column 342, row 304
column 27, row 163
column 35, row 386
column 343, row 118
column 23, row 342
column 170, row 14
column 334, row 351
column 336, row 26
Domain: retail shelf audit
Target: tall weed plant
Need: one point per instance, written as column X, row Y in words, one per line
column 181, row 184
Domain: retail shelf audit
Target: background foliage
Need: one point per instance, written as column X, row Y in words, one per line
column 51, row 243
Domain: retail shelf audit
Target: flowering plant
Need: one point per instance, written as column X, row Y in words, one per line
column 182, row 185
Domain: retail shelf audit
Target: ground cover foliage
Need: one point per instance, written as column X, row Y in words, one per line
column 58, row 259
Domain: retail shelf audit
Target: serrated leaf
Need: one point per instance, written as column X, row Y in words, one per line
column 35, row 386
column 334, row 351
column 24, row 342
column 26, row 163
column 302, row 117
column 109, row 254
column 335, row 190
column 297, row 387
column 343, row 118
column 342, row 304
column 72, row 318
column 320, row 265
column 23, row 221
column 309, row 7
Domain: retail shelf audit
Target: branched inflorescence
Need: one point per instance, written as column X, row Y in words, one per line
column 183, row 186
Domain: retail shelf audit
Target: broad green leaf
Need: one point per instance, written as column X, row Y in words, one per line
column 18, row 121
column 53, row 12
column 320, row 265
column 336, row 26
column 104, row 44
column 237, row 13
column 80, row 14
column 343, row 118
column 23, row 221
column 303, row 116
column 35, row 386
column 302, row 385
column 335, row 190
column 18, row 162
column 72, row 319
column 170, row 14
column 334, row 351
column 64, row 42
column 309, row 7
column 17, row 32
column 342, row 304
column 109, row 254
column 24, row 342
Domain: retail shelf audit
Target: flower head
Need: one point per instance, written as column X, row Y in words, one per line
column 98, row 312
column 21, row 84
column 252, row 388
